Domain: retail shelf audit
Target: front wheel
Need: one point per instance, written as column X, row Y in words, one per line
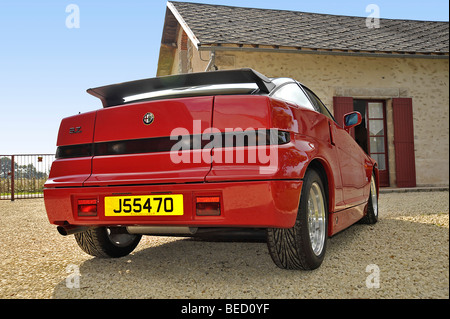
column 372, row 207
column 303, row 246
column 107, row 242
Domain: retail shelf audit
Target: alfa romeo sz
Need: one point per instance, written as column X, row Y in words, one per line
column 194, row 153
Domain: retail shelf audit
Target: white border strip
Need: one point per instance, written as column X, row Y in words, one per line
column 183, row 24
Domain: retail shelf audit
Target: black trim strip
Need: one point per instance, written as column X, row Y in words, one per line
column 72, row 151
column 175, row 143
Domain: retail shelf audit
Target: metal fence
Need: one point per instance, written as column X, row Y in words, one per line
column 23, row 176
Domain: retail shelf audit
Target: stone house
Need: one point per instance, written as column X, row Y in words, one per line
column 396, row 74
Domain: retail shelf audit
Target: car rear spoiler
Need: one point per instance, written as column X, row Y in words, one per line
column 114, row 94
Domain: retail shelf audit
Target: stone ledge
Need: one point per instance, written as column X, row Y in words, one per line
column 385, row 190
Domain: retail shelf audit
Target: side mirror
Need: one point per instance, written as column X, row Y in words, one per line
column 351, row 120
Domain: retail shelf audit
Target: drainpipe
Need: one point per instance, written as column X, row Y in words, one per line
column 212, row 61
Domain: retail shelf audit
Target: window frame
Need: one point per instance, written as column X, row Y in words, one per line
column 312, row 106
column 314, row 100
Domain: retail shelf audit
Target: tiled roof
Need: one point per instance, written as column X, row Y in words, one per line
column 220, row 25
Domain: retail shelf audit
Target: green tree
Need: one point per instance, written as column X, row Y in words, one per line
column 5, row 167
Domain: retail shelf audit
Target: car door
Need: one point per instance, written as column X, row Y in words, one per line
column 350, row 156
column 351, row 162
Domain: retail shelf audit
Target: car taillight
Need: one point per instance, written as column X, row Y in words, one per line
column 208, row 206
column 87, row 207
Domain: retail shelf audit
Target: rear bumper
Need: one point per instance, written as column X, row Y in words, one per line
column 271, row 203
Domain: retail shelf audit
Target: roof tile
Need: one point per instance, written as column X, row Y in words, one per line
column 218, row 24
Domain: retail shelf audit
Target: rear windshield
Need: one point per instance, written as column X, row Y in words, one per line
column 203, row 90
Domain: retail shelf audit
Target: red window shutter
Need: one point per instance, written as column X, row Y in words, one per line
column 405, row 164
column 341, row 106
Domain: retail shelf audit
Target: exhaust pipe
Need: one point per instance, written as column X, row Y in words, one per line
column 71, row 229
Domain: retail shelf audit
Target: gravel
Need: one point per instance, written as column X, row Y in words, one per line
column 408, row 248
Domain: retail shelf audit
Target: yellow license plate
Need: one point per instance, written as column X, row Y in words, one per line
column 149, row 205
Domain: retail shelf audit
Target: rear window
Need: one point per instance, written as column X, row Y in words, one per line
column 291, row 92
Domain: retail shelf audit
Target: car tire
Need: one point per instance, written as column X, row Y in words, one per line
column 372, row 207
column 107, row 242
column 303, row 246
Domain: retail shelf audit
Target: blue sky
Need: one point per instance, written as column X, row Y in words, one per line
column 45, row 67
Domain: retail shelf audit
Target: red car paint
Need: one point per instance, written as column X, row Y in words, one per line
column 248, row 198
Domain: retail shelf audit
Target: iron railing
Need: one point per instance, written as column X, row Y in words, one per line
column 24, row 175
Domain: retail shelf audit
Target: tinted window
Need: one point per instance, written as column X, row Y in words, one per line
column 292, row 93
column 318, row 103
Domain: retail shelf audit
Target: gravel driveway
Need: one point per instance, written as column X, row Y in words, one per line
column 407, row 251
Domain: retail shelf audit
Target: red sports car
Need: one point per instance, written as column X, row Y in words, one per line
column 196, row 153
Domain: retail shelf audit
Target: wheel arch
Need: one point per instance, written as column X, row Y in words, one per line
column 324, row 171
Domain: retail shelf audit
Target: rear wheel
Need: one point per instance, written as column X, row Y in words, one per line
column 107, row 242
column 303, row 246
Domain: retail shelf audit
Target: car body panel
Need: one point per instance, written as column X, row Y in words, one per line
column 268, row 204
column 126, row 123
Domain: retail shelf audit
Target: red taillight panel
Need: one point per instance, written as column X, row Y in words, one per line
column 87, row 207
column 208, row 206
